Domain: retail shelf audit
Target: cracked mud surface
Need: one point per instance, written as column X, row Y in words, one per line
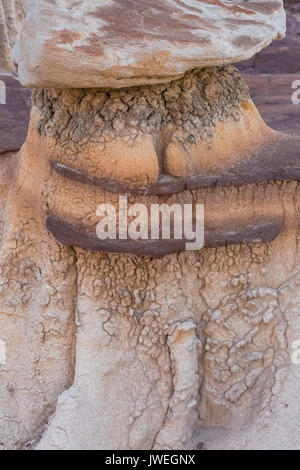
column 204, row 121
column 191, row 105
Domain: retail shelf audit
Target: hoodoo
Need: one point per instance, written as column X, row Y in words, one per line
column 130, row 344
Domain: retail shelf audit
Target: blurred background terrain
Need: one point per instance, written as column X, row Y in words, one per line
column 272, row 72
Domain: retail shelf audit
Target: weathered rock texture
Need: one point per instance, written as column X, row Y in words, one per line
column 163, row 345
column 136, row 133
column 125, row 43
column 11, row 16
column 110, row 351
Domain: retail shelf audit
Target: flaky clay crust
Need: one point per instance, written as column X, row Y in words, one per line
column 132, row 135
column 121, row 43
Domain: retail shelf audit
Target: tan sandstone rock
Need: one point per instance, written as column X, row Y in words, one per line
column 140, row 345
column 117, row 43
column 11, row 16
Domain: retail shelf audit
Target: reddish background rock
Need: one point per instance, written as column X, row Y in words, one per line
column 14, row 115
column 272, row 95
column 271, row 73
column 281, row 56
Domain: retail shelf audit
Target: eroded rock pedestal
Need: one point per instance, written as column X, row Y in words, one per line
column 126, row 351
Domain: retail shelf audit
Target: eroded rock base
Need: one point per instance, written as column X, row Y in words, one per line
column 200, row 123
column 134, row 352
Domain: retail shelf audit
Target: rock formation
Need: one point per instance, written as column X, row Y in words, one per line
column 133, row 345
column 11, row 17
column 124, row 43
